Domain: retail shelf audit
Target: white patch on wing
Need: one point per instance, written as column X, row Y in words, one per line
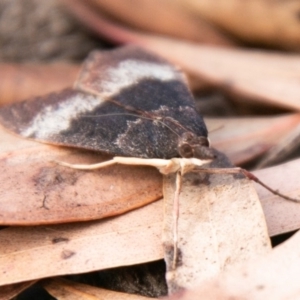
column 51, row 120
column 124, row 136
column 130, row 72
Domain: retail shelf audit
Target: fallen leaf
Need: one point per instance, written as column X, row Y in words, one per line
column 10, row 291
column 84, row 247
column 247, row 20
column 170, row 18
column 275, row 276
column 259, row 76
column 75, row 248
column 220, row 225
column 256, row 76
column 22, row 81
column 284, row 147
column 282, row 216
column 199, row 21
column 35, row 190
column 63, row 289
column 243, row 139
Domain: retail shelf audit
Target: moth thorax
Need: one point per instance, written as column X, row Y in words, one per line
column 191, row 145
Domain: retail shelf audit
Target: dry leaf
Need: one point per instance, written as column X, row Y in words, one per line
column 243, row 139
column 22, row 81
column 129, row 239
column 35, row 190
column 284, row 147
column 170, row 18
column 84, row 247
column 220, row 225
column 10, row 291
column 282, row 216
column 275, row 276
column 199, row 21
column 63, row 289
column 259, row 76
column 269, row 23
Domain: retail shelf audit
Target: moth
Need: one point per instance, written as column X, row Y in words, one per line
column 128, row 103
column 125, row 102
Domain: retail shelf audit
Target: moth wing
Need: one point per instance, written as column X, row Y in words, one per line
column 145, row 84
column 126, row 102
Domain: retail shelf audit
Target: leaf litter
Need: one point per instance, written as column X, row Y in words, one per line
column 20, row 244
column 268, row 93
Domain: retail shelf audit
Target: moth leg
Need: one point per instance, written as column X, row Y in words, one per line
column 136, row 161
column 87, row 167
column 250, row 176
column 166, row 166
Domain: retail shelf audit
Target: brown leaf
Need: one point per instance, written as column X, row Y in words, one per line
column 10, row 291
column 220, row 225
column 256, row 76
column 84, row 247
column 170, row 18
column 132, row 238
column 243, row 139
column 198, row 21
column 284, row 147
column 275, row 276
column 247, row 20
column 35, row 190
column 21, row 81
column 63, row 289
column 282, row 216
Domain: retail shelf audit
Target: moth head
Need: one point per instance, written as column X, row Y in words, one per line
column 191, row 145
